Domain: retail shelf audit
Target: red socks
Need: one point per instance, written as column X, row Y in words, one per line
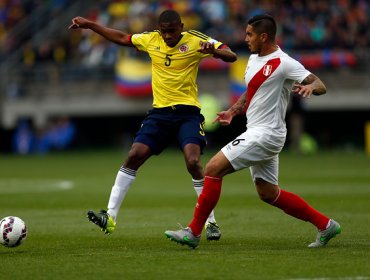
column 289, row 202
column 295, row 206
column 206, row 202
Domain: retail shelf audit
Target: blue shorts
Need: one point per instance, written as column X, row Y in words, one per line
column 161, row 126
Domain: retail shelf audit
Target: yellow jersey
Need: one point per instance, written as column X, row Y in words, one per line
column 174, row 69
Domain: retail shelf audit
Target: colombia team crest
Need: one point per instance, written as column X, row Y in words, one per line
column 183, row 48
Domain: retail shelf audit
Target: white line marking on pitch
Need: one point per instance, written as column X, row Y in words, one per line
column 340, row 278
column 12, row 186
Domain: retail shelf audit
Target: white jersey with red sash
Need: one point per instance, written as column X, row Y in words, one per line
column 269, row 81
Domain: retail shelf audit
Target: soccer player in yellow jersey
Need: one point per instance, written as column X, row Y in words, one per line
column 175, row 55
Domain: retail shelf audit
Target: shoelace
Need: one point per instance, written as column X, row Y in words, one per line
column 181, row 227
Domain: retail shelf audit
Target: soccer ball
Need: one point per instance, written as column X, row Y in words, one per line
column 13, row 231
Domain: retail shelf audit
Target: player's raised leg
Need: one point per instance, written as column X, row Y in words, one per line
column 106, row 220
column 124, row 180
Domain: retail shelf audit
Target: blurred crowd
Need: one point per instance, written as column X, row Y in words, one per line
column 58, row 134
column 15, row 17
column 303, row 25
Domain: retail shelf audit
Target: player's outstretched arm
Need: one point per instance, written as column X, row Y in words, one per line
column 239, row 106
column 226, row 54
column 310, row 85
column 110, row 34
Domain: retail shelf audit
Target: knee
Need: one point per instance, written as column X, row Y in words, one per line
column 193, row 163
column 212, row 169
column 265, row 197
column 267, row 192
column 136, row 157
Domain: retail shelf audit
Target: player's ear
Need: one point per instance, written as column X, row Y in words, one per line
column 264, row 37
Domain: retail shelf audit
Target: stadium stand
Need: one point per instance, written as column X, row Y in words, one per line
column 47, row 70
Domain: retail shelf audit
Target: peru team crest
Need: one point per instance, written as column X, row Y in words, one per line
column 183, row 48
column 267, row 70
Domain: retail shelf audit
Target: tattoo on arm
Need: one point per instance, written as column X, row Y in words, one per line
column 240, row 106
column 318, row 86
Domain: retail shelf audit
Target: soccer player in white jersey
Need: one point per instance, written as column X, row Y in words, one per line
column 175, row 56
column 271, row 75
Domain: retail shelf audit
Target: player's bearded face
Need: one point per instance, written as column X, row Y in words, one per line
column 253, row 40
column 171, row 32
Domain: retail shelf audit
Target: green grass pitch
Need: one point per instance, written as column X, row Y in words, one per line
column 52, row 193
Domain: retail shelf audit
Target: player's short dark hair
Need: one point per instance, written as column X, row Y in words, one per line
column 264, row 24
column 169, row 16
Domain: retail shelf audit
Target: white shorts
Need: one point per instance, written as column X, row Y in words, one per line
column 258, row 150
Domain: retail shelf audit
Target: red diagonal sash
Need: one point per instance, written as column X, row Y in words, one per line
column 260, row 77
